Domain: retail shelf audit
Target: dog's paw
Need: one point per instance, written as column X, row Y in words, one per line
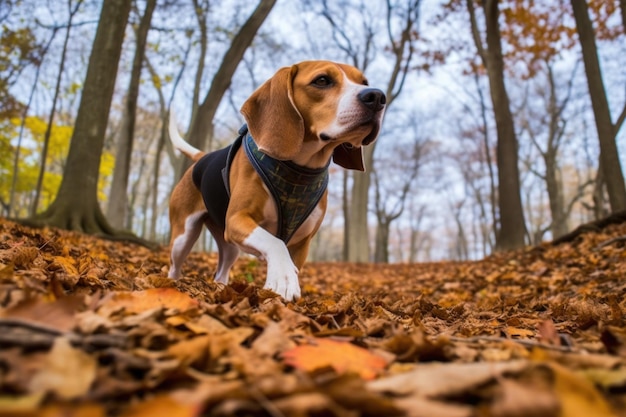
column 221, row 279
column 282, row 278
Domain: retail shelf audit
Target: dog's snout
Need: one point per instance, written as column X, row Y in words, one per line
column 373, row 98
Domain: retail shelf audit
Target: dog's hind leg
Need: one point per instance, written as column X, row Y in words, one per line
column 184, row 235
column 228, row 254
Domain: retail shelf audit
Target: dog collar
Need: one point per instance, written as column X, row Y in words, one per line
column 295, row 189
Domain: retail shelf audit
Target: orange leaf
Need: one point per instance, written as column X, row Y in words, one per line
column 139, row 301
column 162, row 406
column 343, row 357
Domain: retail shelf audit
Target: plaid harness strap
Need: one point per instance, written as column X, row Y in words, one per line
column 296, row 189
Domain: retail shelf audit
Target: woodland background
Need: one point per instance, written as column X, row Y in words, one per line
column 504, row 125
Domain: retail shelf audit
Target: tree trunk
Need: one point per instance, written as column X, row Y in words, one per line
column 202, row 10
column 201, row 131
column 345, row 208
column 55, row 98
column 609, row 156
column 402, row 48
column 358, row 229
column 381, row 248
column 512, row 227
column 118, row 197
column 76, row 205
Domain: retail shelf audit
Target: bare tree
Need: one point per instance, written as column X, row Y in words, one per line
column 201, row 131
column 390, row 197
column 72, row 10
column 201, row 8
column 612, row 174
column 76, row 205
column 163, row 142
column 360, row 53
column 546, row 129
column 117, row 211
column 512, row 228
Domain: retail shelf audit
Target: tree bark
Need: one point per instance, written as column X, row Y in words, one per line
column 609, row 156
column 357, row 226
column 55, row 98
column 201, row 131
column 117, row 211
column 512, row 228
column 76, row 205
column 381, row 247
column 202, row 10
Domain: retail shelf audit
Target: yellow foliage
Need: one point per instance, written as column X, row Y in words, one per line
column 107, row 164
column 30, row 159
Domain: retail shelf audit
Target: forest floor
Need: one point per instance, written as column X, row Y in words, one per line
column 91, row 327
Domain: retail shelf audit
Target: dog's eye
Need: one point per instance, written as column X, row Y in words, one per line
column 322, row 81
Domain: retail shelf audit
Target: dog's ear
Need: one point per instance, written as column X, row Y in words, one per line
column 349, row 157
column 273, row 119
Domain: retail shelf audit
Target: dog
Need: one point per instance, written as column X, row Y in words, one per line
column 266, row 194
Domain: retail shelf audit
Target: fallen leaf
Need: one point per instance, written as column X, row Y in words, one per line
column 71, row 410
column 548, row 333
column 139, row 301
column 578, row 396
column 191, row 350
column 516, row 332
column 614, row 339
column 424, row 407
column 343, row 357
column 161, row 406
column 68, row 372
column 59, row 314
column 434, row 379
column 65, row 264
column 20, row 405
column 516, row 399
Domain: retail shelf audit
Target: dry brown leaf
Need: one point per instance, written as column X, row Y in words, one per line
column 577, row 395
column 162, row 406
column 68, row 372
column 516, row 332
column 25, row 405
column 220, row 354
column 139, row 301
column 614, row 339
column 515, row 399
column 548, row 333
column 58, row 314
column 424, row 407
column 343, row 357
column 438, row 379
column 76, row 410
column 273, row 340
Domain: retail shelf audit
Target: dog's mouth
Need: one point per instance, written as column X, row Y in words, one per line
column 373, row 124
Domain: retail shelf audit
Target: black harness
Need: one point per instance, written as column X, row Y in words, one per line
column 296, row 190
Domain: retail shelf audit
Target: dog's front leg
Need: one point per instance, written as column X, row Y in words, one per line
column 282, row 274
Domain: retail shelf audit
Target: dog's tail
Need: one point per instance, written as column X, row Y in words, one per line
column 180, row 143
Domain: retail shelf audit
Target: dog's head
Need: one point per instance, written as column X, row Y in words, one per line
column 316, row 101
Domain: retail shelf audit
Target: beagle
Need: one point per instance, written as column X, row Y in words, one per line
column 266, row 193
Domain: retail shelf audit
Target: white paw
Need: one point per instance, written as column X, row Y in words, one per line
column 282, row 278
column 221, row 279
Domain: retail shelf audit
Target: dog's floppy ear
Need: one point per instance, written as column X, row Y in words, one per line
column 349, row 157
column 273, row 120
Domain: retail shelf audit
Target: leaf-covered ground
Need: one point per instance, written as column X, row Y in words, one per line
column 90, row 327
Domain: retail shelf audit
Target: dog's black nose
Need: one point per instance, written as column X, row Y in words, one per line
column 373, row 98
